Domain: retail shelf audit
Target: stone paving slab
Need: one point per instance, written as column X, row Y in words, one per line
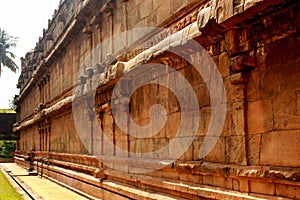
column 14, row 169
column 39, row 188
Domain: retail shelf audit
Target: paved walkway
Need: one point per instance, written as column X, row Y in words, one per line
column 37, row 187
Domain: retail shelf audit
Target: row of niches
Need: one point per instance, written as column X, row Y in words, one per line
column 35, row 57
column 61, row 19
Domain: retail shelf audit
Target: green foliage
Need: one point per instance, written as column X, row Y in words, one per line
column 6, row 56
column 7, row 192
column 12, row 105
column 4, row 110
column 6, row 148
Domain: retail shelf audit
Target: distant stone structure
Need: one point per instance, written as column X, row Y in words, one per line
column 79, row 119
column 7, row 120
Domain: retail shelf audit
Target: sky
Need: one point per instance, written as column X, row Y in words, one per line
column 24, row 19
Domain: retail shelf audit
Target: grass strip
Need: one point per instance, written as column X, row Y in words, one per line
column 7, row 191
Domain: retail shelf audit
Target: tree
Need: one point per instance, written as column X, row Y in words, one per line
column 12, row 105
column 6, row 56
column 7, row 148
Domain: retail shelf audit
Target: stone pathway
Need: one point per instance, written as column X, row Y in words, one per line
column 37, row 187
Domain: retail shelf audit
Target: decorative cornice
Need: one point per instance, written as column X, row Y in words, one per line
column 226, row 14
column 44, row 113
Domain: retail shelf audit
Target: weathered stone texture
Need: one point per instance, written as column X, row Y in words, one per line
column 278, row 145
column 255, row 47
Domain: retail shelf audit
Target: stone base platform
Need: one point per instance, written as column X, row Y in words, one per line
column 212, row 184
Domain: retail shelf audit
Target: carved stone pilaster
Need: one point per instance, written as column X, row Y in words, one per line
column 240, row 67
column 108, row 7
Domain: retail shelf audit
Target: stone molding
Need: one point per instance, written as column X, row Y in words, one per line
column 44, row 113
column 87, row 169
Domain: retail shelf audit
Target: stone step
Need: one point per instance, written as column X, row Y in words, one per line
column 118, row 182
column 183, row 187
column 115, row 187
column 136, row 193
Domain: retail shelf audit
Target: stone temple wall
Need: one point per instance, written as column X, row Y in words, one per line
column 225, row 73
